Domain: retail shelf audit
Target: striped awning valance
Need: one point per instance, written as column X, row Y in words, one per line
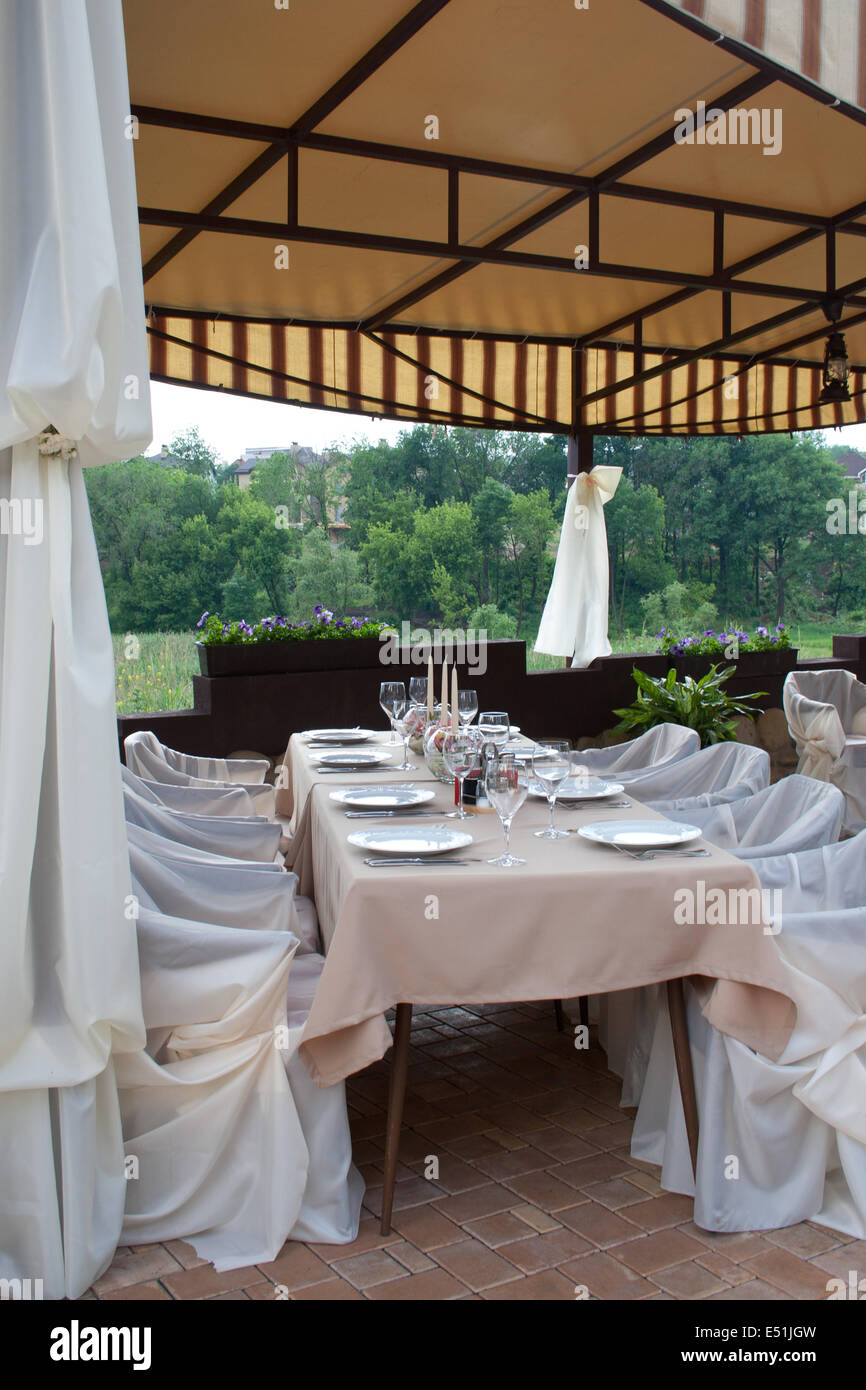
column 489, row 383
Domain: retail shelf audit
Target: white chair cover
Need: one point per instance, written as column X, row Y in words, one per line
column 232, row 1147
column 658, row 747
column 796, row 1127
column 729, row 771
column 240, row 839
column 147, row 761
column 171, row 849
column 826, row 713
column 224, row 895
column 234, row 802
column 240, row 770
column 799, row 813
column 795, row 814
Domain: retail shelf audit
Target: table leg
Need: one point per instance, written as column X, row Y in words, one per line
column 396, row 1096
column 683, row 1056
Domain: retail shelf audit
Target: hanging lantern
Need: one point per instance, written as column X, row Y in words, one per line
column 835, row 371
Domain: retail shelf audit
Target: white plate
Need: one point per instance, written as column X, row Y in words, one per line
column 365, row 757
column 383, row 798
column 404, row 839
column 640, row 834
column 583, row 789
column 338, row 735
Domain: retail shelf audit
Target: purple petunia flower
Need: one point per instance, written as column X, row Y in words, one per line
column 202, row 620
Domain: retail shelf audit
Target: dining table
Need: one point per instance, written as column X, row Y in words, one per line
column 578, row 918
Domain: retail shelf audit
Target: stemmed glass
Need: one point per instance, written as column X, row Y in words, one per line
column 505, row 785
column 495, row 726
column 403, row 725
column 551, row 764
column 461, row 753
column 390, row 694
column 418, row 690
column 467, row 706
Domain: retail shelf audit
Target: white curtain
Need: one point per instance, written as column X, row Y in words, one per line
column 73, row 357
column 574, row 621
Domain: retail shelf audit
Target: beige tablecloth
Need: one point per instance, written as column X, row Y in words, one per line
column 578, row 918
column 303, row 773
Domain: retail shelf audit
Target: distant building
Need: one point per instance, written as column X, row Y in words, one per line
column 854, row 464
column 167, row 458
column 243, row 469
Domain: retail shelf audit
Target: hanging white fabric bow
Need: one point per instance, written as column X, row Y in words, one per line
column 574, row 621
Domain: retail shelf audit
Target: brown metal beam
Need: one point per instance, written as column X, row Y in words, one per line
column 468, row 255
column 466, row 164
column 372, row 60
column 648, row 151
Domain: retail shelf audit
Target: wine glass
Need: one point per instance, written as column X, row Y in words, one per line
column 505, row 784
column 418, row 690
column 495, row 726
column 404, row 724
column 461, row 753
column 551, row 764
column 467, row 706
column 390, row 692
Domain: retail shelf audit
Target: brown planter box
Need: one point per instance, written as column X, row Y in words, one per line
column 276, row 658
column 755, row 664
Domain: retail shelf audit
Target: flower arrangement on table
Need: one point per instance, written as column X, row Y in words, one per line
column 323, row 624
column 712, row 643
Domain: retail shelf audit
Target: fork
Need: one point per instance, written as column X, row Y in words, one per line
column 651, row 853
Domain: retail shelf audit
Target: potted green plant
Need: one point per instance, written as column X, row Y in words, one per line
column 702, row 705
column 275, row 645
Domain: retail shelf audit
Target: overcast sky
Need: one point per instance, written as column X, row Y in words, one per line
column 231, row 424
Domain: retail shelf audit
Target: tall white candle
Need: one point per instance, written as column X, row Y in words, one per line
column 430, row 691
column 455, row 724
column 443, row 712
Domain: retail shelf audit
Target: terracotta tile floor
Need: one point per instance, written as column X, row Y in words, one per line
column 515, row 1181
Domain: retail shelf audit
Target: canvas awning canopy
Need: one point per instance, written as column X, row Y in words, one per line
column 483, row 212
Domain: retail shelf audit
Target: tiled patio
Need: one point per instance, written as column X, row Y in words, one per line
column 536, row 1194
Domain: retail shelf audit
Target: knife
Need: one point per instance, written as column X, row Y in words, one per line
column 420, row 863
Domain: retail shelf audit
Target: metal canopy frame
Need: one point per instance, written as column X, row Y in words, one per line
column 726, row 279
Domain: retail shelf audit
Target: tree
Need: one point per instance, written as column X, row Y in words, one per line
column 198, row 457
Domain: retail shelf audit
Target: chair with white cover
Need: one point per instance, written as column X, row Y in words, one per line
column 826, row 714
column 150, row 759
column 235, row 1149
column 216, row 800
column 658, row 747
column 726, row 771
column 224, row 894
column 240, row 838
column 795, row 814
column 796, row 1126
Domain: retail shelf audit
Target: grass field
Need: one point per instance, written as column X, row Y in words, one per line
column 153, row 671
column 157, row 673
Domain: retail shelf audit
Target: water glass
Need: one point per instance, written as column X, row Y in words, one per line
column 505, row 784
column 551, row 764
column 405, row 725
column 461, row 754
column 390, row 693
column 495, row 726
column 467, row 706
column 418, row 690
